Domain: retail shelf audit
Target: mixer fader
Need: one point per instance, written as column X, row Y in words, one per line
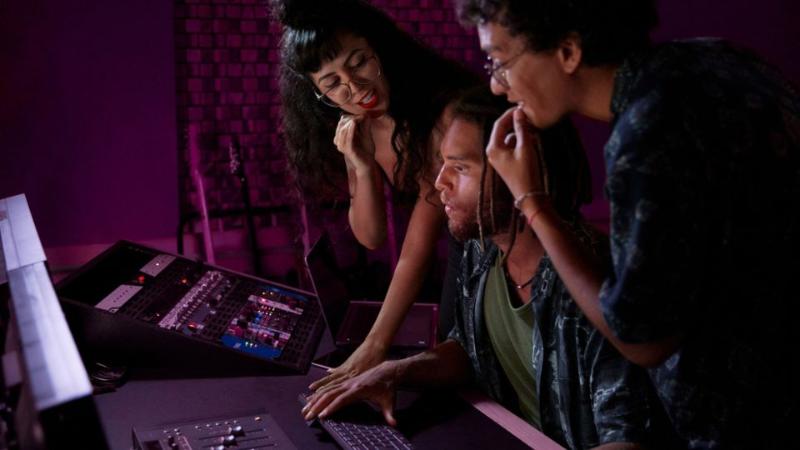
column 247, row 431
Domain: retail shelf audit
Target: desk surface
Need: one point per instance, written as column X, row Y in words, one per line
column 429, row 420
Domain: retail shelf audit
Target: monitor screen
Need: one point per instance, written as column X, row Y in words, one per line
column 46, row 383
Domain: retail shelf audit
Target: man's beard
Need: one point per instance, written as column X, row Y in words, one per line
column 464, row 230
column 466, row 227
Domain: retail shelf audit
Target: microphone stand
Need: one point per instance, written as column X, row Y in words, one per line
column 237, row 169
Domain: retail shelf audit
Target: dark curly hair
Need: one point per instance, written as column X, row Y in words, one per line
column 568, row 176
column 421, row 84
column 609, row 30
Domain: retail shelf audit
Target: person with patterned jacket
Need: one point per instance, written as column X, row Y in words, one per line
column 703, row 181
column 518, row 334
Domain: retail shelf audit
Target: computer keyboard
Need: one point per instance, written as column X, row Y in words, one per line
column 359, row 427
column 357, row 436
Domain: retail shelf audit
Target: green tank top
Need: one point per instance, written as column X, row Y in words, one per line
column 511, row 334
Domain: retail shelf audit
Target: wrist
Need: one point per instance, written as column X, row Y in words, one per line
column 357, row 166
column 531, row 194
column 392, row 367
column 399, row 372
column 534, row 208
column 376, row 344
column 363, row 171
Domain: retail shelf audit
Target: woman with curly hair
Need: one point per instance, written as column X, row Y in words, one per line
column 363, row 101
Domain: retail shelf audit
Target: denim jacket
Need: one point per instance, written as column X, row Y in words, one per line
column 703, row 181
column 588, row 394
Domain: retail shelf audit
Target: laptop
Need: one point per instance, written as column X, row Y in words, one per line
column 349, row 320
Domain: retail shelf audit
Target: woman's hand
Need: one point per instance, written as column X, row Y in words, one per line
column 354, row 140
column 515, row 153
column 366, row 356
column 376, row 385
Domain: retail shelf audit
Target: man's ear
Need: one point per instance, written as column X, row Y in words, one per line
column 570, row 53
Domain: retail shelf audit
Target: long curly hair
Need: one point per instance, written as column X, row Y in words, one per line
column 421, row 83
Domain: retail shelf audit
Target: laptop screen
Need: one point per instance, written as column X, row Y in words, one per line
column 351, row 321
column 328, row 282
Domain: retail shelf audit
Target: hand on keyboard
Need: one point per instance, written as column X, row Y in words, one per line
column 359, row 427
column 365, row 357
column 376, row 385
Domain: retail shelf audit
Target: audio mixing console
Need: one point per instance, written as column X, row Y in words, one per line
column 136, row 300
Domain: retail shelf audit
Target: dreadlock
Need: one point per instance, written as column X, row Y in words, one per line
column 566, row 176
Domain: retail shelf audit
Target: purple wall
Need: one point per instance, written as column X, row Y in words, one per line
column 770, row 27
column 87, row 117
column 227, row 58
column 87, row 104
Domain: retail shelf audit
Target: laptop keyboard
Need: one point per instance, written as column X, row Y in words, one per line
column 358, row 436
column 358, row 427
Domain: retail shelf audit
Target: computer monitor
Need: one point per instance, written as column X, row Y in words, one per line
column 46, row 383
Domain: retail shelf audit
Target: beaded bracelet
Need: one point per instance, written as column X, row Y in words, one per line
column 518, row 201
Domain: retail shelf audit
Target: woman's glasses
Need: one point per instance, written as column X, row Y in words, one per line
column 363, row 71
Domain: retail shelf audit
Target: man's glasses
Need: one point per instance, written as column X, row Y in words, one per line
column 364, row 71
column 499, row 70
